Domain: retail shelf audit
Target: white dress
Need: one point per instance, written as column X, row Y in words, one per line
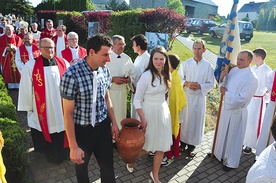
column 264, row 169
column 151, row 99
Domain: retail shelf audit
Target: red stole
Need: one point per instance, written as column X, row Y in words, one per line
column 40, row 95
column 67, row 54
column 24, row 55
column 45, row 33
column 273, row 91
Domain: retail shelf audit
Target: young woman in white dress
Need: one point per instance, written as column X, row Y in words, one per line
column 152, row 108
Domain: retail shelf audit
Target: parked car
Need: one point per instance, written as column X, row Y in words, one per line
column 245, row 28
column 200, row 26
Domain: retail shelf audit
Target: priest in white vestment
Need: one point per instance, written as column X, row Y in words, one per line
column 257, row 105
column 264, row 169
column 197, row 77
column 39, row 95
column 123, row 73
column 265, row 137
column 241, row 84
column 140, row 46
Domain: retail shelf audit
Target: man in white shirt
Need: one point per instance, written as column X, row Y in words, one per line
column 140, row 46
column 122, row 72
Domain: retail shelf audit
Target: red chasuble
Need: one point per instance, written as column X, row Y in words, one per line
column 9, row 69
column 67, row 54
column 47, row 33
column 40, row 94
column 24, row 55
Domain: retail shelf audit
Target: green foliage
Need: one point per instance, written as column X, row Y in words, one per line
column 246, row 18
column 267, row 20
column 219, row 19
column 76, row 22
column 17, row 7
column 116, row 6
column 176, row 5
column 271, row 24
column 68, row 5
column 14, row 151
column 131, row 26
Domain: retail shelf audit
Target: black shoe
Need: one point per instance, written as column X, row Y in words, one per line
column 151, row 154
column 247, row 150
column 226, row 168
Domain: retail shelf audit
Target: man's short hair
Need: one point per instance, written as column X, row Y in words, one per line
column 260, row 52
column 70, row 34
column 249, row 53
column 201, row 42
column 63, row 27
column 141, row 41
column 97, row 41
column 117, row 37
column 49, row 21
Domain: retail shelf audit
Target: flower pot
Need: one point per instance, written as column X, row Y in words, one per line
column 131, row 140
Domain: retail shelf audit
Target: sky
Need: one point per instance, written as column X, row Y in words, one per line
column 224, row 6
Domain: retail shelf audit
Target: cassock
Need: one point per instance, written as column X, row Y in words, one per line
column 256, row 107
column 61, row 43
column 192, row 127
column 25, row 53
column 10, row 73
column 262, row 141
column 118, row 93
column 73, row 54
column 140, row 64
column 46, row 33
column 241, row 85
column 54, row 150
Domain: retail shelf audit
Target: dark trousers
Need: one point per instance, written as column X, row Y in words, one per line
column 96, row 139
column 55, row 151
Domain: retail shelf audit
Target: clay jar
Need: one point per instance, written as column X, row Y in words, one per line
column 131, row 140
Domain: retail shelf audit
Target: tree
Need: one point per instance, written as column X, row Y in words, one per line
column 17, row 7
column 176, row 5
column 246, row 18
column 116, row 6
column 69, row 5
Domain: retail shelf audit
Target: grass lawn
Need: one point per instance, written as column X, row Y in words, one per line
column 262, row 39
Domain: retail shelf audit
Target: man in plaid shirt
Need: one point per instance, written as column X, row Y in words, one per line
column 88, row 111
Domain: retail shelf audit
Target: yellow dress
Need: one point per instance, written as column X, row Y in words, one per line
column 2, row 166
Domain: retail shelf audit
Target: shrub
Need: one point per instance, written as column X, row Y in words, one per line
column 14, row 151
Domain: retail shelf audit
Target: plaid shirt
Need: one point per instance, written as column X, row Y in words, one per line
column 77, row 84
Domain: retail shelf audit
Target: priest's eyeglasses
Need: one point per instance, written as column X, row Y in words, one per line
column 47, row 47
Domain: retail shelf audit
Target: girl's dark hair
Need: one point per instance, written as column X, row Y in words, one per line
column 165, row 71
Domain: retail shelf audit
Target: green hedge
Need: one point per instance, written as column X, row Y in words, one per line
column 15, row 148
column 14, row 151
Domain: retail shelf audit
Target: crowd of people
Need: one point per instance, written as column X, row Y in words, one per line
column 76, row 97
